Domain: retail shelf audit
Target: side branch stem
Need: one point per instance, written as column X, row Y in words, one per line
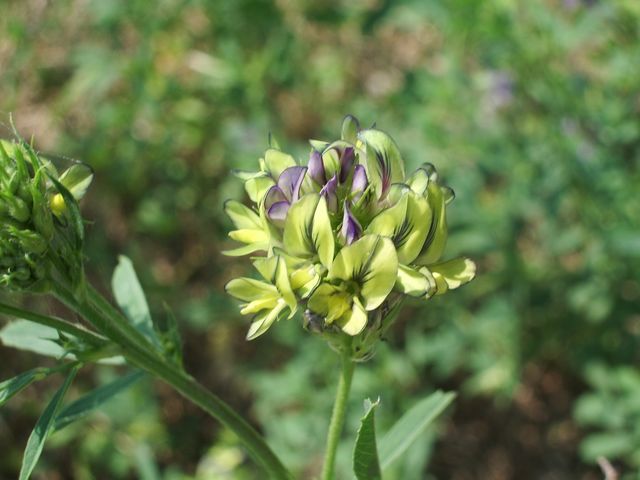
column 140, row 352
column 57, row 323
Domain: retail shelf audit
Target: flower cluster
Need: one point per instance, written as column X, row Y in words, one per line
column 41, row 228
column 345, row 238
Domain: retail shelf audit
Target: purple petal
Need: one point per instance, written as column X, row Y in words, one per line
column 290, row 181
column 347, row 160
column 351, row 229
column 360, row 182
column 273, row 196
column 329, row 193
column 277, row 213
column 316, row 168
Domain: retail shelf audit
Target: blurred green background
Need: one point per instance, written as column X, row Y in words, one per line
column 529, row 110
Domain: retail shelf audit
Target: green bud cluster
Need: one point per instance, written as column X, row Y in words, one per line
column 37, row 230
column 346, row 238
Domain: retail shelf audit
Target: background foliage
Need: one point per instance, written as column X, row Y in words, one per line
column 530, row 110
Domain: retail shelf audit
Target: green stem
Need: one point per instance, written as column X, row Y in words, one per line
column 57, row 323
column 140, row 352
column 102, row 304
column 337, row 417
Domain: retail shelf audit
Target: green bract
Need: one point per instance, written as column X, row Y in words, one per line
column 41, row 229
column 346, row 238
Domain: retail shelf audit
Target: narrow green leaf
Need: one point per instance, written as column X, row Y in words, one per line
column 94, row 399
column 59, row 324
column 43, row 428
column 365, row 454
column 411, row 425
column 32, row 337
column 130, row 297
column 43, row 340
column 15, row 385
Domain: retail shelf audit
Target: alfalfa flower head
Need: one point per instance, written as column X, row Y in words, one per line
column 343, row 239
column 42, row 231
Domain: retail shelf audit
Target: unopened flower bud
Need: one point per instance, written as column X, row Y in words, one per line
column 31, row 241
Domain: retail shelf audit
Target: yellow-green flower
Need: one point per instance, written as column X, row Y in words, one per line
column 358, row 281
column 268, row 301
column 307, row 230
column 272, row 165
column 347, row 237
column 252, row 229
column 423, row 274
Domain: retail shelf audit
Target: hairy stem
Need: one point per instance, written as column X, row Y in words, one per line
column 140, row 352
column 337, row 417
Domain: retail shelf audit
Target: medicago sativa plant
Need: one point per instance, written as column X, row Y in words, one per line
column 338, row 243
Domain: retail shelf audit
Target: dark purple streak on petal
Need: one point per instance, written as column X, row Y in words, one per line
column 347, row 160
column 385, row 173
